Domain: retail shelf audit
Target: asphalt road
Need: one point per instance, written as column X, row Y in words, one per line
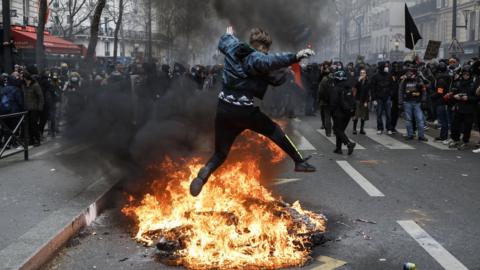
column 422, row 199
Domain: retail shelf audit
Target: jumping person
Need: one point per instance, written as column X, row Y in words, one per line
column 248, row 71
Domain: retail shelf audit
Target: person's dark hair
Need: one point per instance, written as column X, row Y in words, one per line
column 259, row 38
column 27, row 76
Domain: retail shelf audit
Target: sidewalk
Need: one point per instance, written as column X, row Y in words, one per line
column 46, row 200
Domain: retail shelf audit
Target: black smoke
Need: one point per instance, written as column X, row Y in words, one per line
column 292, row 23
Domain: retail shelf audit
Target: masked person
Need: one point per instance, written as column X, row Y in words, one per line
column 362, row 97
column 412, row 94
column 342, row 103
column 465, row 101
column 248, row 71
column 382, row 86
column 324, row 89
column 441, row 88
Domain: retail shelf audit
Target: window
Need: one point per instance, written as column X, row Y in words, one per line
column 107, row 48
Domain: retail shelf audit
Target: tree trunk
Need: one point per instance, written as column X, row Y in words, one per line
column 118, row 25
column 92, row 45
column 39, row 46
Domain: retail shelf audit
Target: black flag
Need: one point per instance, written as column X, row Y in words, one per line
column 411, row 31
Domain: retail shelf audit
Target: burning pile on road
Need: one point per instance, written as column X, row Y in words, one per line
column 235, row 223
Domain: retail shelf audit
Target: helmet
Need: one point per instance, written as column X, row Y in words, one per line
column 466, row 69
column 340, row 75
column 442, row 67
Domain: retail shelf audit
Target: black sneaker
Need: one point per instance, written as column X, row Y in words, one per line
column 423, row 139
column 329, row 135
column 362, row 132
column 338, row 151
column 351, row 147
column 304, row 166
column 196, row 186
column 409, row 138
column 355, row 132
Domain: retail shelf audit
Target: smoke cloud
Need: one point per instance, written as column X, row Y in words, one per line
column 292, row 24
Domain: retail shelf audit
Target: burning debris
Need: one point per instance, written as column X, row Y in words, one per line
column 236, row 223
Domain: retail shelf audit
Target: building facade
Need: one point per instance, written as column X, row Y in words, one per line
column 434, row 19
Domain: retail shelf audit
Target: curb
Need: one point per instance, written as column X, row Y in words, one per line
column 40, row 244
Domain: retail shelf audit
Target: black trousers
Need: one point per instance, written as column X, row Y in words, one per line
column 462, row 124
column 340, row 123
column 232, row 120
column 34, row 126
column 326, row 116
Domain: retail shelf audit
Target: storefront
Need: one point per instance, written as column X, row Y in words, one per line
column 56, row 49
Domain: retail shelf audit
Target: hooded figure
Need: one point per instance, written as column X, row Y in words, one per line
column 247, row 73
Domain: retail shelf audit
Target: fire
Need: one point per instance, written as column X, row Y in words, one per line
column 235, row 223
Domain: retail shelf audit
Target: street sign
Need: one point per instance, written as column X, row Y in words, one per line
column 433, row 48
column 455, row 47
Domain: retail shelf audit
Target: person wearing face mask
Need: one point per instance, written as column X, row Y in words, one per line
column 465, row 100
column 248, row 71
column 412, row 94
column 34, row 102
column 382, row 87
column 362, row 97
column 324, row 99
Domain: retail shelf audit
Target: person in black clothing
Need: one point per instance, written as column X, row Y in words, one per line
column 324, row 90
column 248, row 71
column 342, row 103
column 311, row 79
column 362, row 98
column 463, row 109
column 397, row 72
column 441, row 88
column 382, row 88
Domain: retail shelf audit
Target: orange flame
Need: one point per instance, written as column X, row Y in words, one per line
column 235, row 223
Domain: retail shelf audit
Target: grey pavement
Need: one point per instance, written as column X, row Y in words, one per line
column 433, row 189
column 41, row 196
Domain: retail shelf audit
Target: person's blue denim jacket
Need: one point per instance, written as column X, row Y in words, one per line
column 249, row 72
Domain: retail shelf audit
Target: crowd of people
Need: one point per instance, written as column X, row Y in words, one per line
column 60, row 93
column 445, row 93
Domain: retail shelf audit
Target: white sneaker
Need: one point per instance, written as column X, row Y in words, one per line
column 389, row 132
column 447, row 141
column 379, row 132
column 476, row 151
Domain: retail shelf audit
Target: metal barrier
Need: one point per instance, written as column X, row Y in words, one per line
column 14, row 136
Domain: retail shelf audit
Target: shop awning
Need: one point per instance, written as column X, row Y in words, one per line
column 26, row 39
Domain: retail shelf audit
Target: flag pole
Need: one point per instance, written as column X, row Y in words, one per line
column 413, row 42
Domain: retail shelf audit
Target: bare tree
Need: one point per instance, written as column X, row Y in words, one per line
column 39, row 47
column 70, row 16
column 94, row 28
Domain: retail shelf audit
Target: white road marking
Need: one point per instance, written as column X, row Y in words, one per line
column 437, row 251
column 282, row 181
column 361, row 181
column 431, row 141
column 387, row 141
column 333, row 140
column 74, row 149
column 302, row 143
column 298, row 120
